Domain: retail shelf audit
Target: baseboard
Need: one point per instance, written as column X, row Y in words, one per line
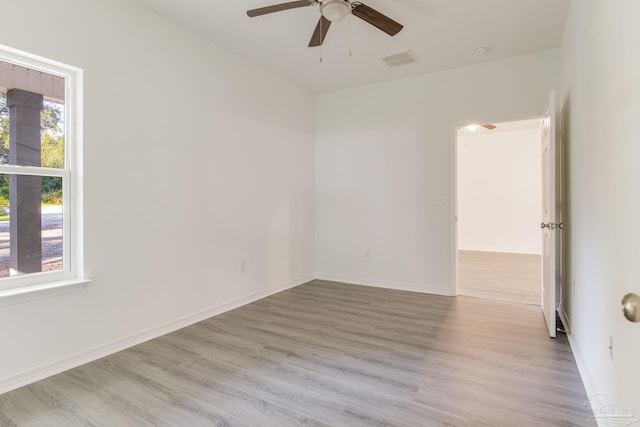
column 502, row 251
column 588, row 383
column 44, row 371
column 425, row 289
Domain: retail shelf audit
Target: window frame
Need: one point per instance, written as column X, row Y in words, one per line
column 71, row 276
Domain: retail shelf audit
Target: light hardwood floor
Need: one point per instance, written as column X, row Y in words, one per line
column 500, row 276
column 327, row 354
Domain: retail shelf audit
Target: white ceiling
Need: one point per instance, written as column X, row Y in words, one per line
column 441, row 33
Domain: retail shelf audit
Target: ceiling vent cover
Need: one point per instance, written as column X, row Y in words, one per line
column 401, row 58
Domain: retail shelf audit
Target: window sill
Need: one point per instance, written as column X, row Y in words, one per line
column 30, row 293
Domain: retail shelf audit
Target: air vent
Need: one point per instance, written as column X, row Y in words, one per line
column 401, row 58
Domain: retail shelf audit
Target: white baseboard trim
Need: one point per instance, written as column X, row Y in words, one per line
column 589, row 384
column 425, row 289
column 502, row 251
column 48, row 369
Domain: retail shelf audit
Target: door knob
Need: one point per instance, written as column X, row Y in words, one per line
column 543, row 225
column 631, row 307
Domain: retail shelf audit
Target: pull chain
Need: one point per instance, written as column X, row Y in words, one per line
column 350, row 17
column 321, row 41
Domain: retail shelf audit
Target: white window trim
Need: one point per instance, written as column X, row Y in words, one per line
column 36, row 285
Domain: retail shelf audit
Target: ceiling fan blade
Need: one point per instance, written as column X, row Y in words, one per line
column 376, row 19
column 489, row 126
column 278, row 7
column 320, row 32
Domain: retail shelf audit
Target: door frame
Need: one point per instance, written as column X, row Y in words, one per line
column 453, row 191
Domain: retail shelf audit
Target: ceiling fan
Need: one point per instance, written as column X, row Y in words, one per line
column 333, row 11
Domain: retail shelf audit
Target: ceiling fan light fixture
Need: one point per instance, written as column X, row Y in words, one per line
column 335, row 10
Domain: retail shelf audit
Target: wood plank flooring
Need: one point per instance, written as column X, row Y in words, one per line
column 500, row 276
column 326, row 354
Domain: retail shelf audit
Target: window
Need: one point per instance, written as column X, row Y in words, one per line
column 40, row 187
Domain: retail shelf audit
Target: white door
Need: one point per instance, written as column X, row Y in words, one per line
column 549, row 216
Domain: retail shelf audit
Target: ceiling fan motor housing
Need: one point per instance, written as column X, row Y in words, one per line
column 335, row 10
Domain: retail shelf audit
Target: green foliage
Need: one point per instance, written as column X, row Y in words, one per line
column 52, row 190
column 52, row 140
column 4, row 130
column 52, row 198
column 52, row 149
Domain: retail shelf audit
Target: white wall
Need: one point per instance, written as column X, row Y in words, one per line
column 194, row 159
column 600, row 113
column 232, row 146
column 499, row 190
column 384, row 156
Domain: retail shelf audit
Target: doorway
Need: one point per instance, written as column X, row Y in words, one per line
column 498, row 204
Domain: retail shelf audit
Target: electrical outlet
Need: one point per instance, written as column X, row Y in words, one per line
column 573, row 288
column 367, row 253
column 243, row 265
